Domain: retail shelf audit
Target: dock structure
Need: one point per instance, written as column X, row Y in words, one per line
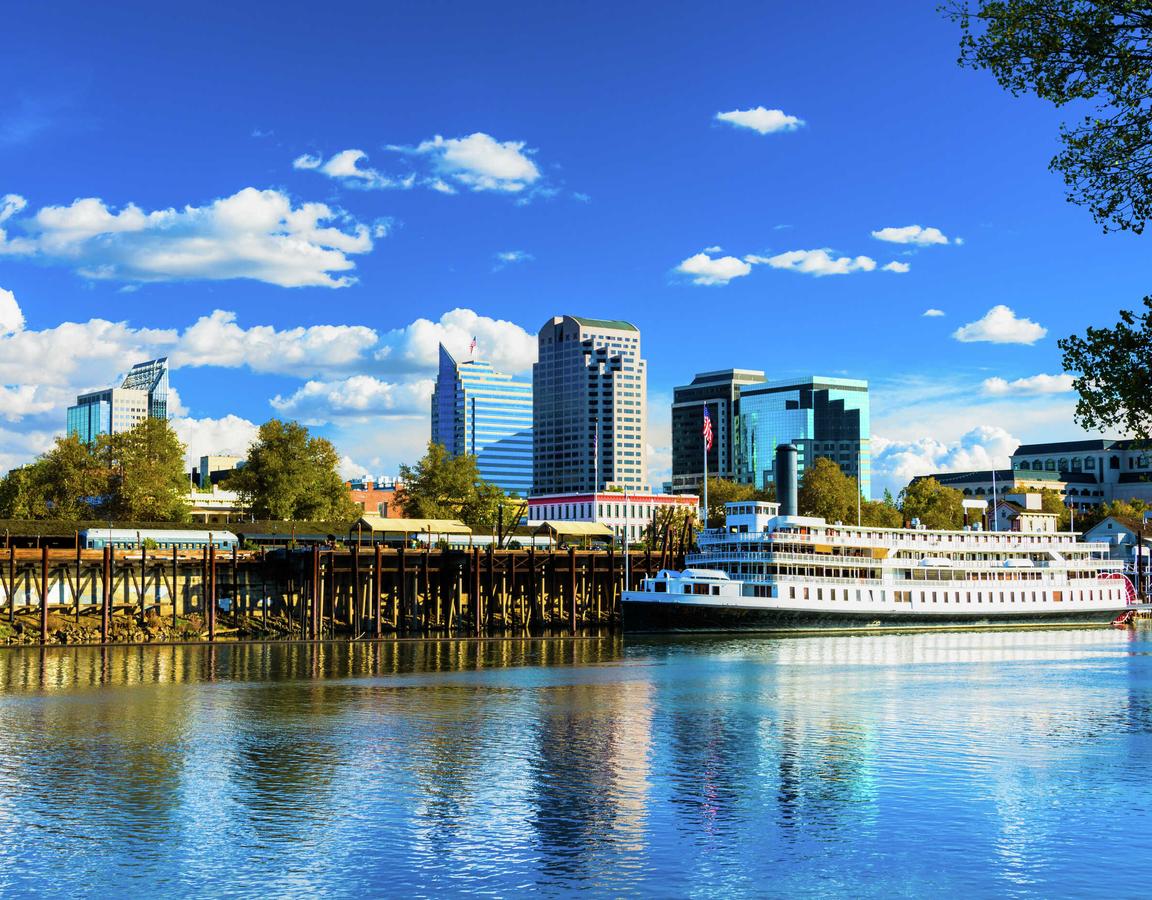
column 362, row 592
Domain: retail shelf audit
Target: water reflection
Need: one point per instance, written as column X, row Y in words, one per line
column 869, row 765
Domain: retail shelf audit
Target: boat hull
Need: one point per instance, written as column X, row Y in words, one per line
column 643, row 616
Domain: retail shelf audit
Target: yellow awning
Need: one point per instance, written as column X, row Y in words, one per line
column 412, row 526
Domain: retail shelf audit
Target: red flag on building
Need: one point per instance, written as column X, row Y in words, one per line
column 707, row 429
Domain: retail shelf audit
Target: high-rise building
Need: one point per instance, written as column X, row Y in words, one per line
column 721, row 392
column 143, row 394
column 590, row 390
column 823, row 417
column 480, row 411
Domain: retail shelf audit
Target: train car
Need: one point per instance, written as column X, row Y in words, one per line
column 162, row 539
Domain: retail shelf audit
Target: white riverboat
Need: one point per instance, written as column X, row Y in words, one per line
column 764, row 571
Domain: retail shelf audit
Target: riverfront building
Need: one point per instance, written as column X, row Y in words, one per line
column 142, row 394
column 590, row 393
column 480, row 411
column 721, row 392
column 1085, row 473
column 823, row 417
column 624, row 513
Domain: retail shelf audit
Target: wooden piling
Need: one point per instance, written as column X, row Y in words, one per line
column 106, row 595
column 400, row 595
column 475, row 592
column 377, row 587
column 356, row 590
column 44, row 594
column 572, row 590
column 211, row 592
column 314, row 605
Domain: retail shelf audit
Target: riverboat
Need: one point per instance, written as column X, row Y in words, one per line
column 764, row 571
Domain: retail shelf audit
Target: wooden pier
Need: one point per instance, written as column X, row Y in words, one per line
column 362, row 592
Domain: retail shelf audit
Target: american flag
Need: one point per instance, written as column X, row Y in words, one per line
column 707, row 429
column 472, row 346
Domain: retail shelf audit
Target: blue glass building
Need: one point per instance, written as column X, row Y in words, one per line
column 823, row 417
column 480, row 411
column 143, row 394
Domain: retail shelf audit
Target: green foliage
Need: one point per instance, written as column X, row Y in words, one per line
column 1113, row 374
column 22, row 495
column 1052, row 501
column 827, row 492
column 881, row 513
column 1099, row 51
column 441, row 486
column 721, row 491
column 935, row 505
column 145, row 472
column 290, row 475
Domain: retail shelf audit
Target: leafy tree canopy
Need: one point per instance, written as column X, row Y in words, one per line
column 1095, row 51
column 935, row 505
column 441, row 486
column 724, row 490
column 1113, row 374
column 145, row 471
column 827, row 492
column 291, row 476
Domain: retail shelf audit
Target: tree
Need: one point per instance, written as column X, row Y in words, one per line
column 1113, row 369
column 22, row 494
column 721, row 491
column 827, row 492
column 70, row 479
column 442, row 486
column 146, row 477
column 290, row 475
column 1098, row 51
column 935, row 505
column 881, row 513
column 1052, row 502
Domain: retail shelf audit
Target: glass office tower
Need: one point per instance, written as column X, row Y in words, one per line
column 826, row 417
column 143, row 394
column 480, row 411
column 720, row 391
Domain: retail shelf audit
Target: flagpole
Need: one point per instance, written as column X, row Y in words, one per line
column 704, row 440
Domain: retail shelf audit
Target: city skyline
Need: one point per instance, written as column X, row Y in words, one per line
column 893, row 224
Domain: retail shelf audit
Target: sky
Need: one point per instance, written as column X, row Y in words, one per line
column 296, row 204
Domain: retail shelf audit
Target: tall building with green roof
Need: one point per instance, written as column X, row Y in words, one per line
column 590, row 409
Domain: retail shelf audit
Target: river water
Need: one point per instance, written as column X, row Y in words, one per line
column 880, row 765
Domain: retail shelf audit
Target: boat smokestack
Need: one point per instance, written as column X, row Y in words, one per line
column 786, row 479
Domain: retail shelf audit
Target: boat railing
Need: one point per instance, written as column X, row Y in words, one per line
column 976, row 541
column 705, row 557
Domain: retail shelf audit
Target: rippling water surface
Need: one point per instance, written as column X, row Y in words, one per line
column 897, row 765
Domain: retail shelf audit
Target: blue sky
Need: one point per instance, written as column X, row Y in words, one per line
column 168, row 167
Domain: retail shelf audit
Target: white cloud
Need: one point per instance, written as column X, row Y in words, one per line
column 11, row 316
column 415, row 348
column 705, row 269
column 230, row 435
column 931, row 313
column 252, row 234
column 508, row 257
column 477, row 162
column 900, row 268
column 983, row 447
column 217, row 340
column 359, row 396
column 911, row 234
column 715, row 248
column 1000, row 325
column 816, row 262
column 345, row 168
column 1034, row 384
column 761, row 120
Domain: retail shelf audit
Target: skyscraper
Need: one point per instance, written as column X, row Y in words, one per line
column 590, row 407
column 480, row 411
column 143, row 394
column 721, row 392
column 826, row 417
